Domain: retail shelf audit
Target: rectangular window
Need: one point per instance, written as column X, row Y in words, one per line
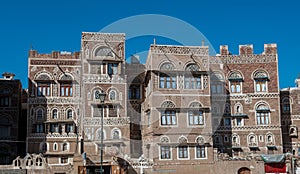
column 286, row 108
column 168, row 82
column 66, row 90
column 4, row 101
column 168, row 118
column 200, row 152
column 54, row 128
column 235, row 87
column 113, row 110
column 112, row 68
column 217, row 88
column 96, row 111
column 196, row 118
column 165, row 152
column 227, row 121
column 183, row 152
column 261, row 85
column 4, row 131
column 63, row 160
column 69, row 128
column 192, row 82
column 39, row 128
column 134, row 92
column 239, row 121
column 43, row 89
column 262, row 117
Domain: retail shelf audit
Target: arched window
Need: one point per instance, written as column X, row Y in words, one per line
column 98, row 134
column 262, row 114
column 164, row 139
column 17, row 163
column 112, row 95
column 217, row 83
column 167, row 80
column 29, row 162
column 252, row 140
column 192, row 80
column 235, row 79
column 167, row 67
column 286, row 105
column 168, row 115
column 200, row 140
column 70, row 114
column 54, row 114
column 261, row 78
column 200, row 147
column 116, row 134
column 38, row 161
column 39, row 114
column 183, row 151
column 104, row 51
column 55, row 147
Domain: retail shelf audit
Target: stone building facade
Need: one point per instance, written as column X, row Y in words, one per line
column 245, row 101
column 176, row 116
column 103, row 71
column 53, row 107
column 182, row 111
column 290, row 120
column 12, row 143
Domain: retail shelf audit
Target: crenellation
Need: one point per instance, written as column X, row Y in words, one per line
column 246, row 49
column 54, row 55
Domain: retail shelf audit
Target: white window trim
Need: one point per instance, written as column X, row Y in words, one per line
column 160, row 115
column 205, row 153
column 171, row 153
column 188, row 151
column 241, row 88
column 200, row 125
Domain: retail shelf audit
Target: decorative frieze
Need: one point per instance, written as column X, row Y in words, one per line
column 102, row 78
column 53, row 100
column 181, row 50
column 249, row 128
column 107, row 37
column 54, row 62
column 119, row 121
column 246, row 59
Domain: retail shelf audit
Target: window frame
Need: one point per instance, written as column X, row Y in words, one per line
column 66, row 89
column 199, row 115
column 203, row 148
column 181, row 149
column 168, row 115
column 168, row 150
column 167, row 81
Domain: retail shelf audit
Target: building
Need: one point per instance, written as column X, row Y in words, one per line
column 249, row 113
column 103, row 71
column 12, row 143
column 53, row 108
column 182, row 111
column 177, row 127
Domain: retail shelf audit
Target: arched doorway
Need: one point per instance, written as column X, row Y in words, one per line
column 244, row 170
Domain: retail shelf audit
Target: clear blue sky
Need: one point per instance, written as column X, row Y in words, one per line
column 57, row 25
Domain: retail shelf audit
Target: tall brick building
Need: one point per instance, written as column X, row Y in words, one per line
column 182, row 111
column 53, row 108
column 12, row 144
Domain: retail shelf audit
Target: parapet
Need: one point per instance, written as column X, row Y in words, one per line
column 54, row 55
column 269, row 49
